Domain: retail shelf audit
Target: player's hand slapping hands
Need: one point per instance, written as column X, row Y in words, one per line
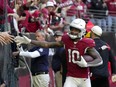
column 22, row 40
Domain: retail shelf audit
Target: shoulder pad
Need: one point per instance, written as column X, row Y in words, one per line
column 65, row 37
column 90, row 42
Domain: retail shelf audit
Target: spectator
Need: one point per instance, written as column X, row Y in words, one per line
column 70, row 13
column 100, row 74
column 29, row 13
column 3, row 15
column 55, row 21
column 111, row 15
column 98, row 13
column 81, row 8
column 50, row 7
column 75, row 47
column 39, row 62
column 18, row 5
column 44, row 17
column 57, row 60
column 33, row 21
column 50, row 13
column 77, row 10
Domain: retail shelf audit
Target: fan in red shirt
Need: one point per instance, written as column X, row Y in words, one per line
column 111, row 4
column 33, row 22
column 10, row 12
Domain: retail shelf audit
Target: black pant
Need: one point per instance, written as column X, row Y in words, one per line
column 100, row 82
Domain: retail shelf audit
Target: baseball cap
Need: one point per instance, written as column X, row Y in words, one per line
column 58, row 33
column 49, row 3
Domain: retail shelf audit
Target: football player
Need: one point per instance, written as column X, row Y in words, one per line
column 76, row 47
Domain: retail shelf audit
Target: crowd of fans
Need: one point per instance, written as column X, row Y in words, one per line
column 57, row 14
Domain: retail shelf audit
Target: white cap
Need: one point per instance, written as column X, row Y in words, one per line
column 97, row 30
column 49, row 3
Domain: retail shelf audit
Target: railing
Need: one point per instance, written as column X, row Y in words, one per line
column 107, row 19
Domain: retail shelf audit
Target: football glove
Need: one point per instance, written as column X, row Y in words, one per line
column 22, row 40
column 81, row 63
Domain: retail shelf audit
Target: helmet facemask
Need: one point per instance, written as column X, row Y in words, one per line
column 75, row 36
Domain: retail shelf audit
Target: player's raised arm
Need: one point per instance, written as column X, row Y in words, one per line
column 25, row 40
column 47, row 44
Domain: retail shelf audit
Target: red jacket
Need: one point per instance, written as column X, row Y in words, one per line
column 111, row 7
